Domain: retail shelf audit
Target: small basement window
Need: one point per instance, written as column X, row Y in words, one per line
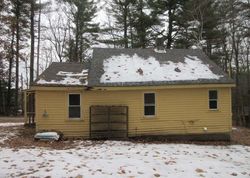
column 149, row 104
column 74, row 106
column 213, row 99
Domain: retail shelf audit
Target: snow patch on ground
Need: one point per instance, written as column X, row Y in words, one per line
column 9, row 124
column 8, row 131
column 124, row 159
column 4, row 136
column 160, row 50
column 69, row 78
column 125, row 68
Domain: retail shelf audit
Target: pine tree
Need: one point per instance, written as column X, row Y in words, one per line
column 83, row 11
column 3, row 85
column 20, row 15
column 38, row 38
column 142, row 22
column 172, row 8
column 32, row 39
column 198, row 25
column 34, row 8
column 120, row 10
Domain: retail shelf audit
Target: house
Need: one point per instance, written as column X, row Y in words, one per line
column 135, row 92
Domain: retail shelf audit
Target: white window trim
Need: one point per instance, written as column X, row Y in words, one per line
column 217, row 108
column 149, row 116
column 75, row 118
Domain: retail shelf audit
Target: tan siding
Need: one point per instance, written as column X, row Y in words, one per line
column 56, row 105
column 178, row 111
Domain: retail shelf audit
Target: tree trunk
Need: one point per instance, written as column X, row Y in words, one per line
column 38, row 40
column 237, row 88
column 10, row 71
column 32, row 38
column 170, row 28
column 131, row 32
column 209, row 49
column 248, row 86
column 81, row 50
column 142, row 32
column 125, row 35
column 226, row 56
column 17, row 62
column 1, row 97
column 77, row 39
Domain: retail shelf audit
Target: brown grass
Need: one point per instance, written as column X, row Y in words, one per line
column 241, row 136
column 25, row 139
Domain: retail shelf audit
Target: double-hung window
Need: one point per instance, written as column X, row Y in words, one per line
column 213, row 99
column 74, row 106
column 149, row 104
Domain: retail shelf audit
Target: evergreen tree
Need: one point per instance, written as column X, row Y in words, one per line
column 120, row 10
column 198, row 23
column 172, row 8
column 32, row 39
column 142, row 22
column 3, row 86
column 20, row 25
column 84, row 30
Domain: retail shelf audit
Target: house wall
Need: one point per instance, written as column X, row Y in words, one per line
column 55, row 103
column 178, row 111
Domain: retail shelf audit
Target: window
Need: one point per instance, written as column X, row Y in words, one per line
column 74, row 106
column 149, row 104
column 213, row 99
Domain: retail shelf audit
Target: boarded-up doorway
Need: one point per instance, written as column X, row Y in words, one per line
column 108, row 122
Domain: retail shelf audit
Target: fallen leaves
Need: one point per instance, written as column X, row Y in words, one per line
column 234, row 174
column 157, row 175
column 170, row 162
column 198, row 170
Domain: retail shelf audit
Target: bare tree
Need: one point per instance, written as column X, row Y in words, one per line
column 58, row 39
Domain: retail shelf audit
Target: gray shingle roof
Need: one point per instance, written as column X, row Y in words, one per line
column 174, row 55
column 63, row 74
column 75, row 74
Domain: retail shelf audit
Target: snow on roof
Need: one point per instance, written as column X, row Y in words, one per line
column 160, row 50
column 126, row 68
column 68, row 78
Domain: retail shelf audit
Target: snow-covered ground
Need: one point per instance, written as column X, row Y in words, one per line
column 8, row 124
column 106, row 159
column 126, row 159
column 8, row 130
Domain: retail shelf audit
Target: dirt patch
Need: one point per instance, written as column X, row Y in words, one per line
column 241, row 135
column 163, row 140
column 23, row 137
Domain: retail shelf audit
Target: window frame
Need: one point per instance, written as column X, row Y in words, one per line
column 217, row 99
column 144, row 104
column 75, row 118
